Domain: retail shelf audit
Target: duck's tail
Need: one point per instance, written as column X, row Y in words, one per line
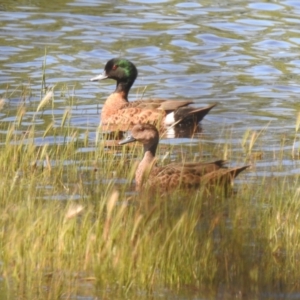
column 190, row 115
column 224, row 176
column 234, row 172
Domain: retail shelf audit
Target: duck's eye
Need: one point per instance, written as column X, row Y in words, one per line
column 114, row 67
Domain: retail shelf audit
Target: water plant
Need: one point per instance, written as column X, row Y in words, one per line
column 70, row 223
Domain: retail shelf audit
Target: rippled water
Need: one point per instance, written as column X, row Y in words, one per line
column 244, row 55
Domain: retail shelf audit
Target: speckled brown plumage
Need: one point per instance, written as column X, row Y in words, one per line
column 117, row 111
column 175, row 175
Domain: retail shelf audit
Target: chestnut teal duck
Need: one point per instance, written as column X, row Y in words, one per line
column 118, row 111
column 174, row 175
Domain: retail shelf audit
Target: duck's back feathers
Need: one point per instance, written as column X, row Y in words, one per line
column 183, row 175
column 165, row 105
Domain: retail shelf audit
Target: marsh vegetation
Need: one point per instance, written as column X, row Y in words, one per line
column 72, row 224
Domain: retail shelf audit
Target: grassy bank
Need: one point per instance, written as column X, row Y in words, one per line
column 71, row 225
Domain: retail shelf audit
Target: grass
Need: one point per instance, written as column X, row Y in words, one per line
column 70, row 224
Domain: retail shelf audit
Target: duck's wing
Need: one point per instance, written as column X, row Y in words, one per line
column 223, row 176
column 197, row 168
column 192, row 175
column 183, row 175
column 191, row 115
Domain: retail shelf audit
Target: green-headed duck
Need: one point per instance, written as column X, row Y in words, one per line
column 118, row 111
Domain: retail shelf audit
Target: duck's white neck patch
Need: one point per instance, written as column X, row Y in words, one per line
column 169, row 119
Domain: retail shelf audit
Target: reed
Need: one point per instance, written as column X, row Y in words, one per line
column 71, row 225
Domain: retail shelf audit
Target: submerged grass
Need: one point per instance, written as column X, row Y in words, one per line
column 70, row 225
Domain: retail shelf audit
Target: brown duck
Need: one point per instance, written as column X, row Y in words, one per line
column 117, row 110
column 174, row 175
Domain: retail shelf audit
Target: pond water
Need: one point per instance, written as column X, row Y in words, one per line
column 243, row 55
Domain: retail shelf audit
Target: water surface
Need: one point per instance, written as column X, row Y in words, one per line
column 244, row 55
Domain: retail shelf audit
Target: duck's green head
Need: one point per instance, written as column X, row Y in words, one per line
column 120, row 69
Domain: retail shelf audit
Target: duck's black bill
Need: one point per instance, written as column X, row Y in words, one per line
column 99, row 77
column 129, row 139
